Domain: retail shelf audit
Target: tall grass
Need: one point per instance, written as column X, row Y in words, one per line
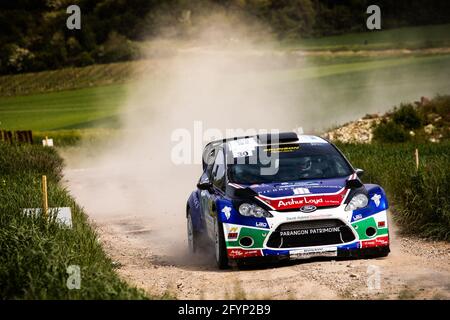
column 34, row 252
column 420, row 197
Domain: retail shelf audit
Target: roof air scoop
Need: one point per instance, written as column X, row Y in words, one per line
column 275, row 138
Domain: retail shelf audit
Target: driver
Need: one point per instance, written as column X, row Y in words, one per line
column 306, row 169
column 304, row 164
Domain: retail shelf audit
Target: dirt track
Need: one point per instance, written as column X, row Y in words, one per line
column 152, row 254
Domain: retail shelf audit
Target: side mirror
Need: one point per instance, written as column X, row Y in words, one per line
column 204, row 185
column 359, row 172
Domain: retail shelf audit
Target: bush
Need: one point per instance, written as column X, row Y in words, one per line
column 407, row 116
column 118, row 48
column 84, row 59
column 389, row 131
column 440, row 105
column 20, row 59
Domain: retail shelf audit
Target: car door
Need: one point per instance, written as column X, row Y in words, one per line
column 209, row 197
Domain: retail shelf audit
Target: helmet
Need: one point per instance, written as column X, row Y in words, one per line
column 304, row 164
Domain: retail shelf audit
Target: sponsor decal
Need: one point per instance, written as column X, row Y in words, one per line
column 301, row 191
column 196, row 203
column 313, row 252
column 261, row 224
column 378, row 242
column 282, row 149
column 293, row 202
column 357, row 217
column 227, row 212
column 302, row 232
column 232, row 235
column 285, row 186
column 308, row 208
column 240, row 154
column 241, row 253
column 242, row 147
column 308, row 217
column 381, row 224
column 297, row 202
column 376, row 198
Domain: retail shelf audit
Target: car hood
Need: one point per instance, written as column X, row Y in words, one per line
column 296, row 194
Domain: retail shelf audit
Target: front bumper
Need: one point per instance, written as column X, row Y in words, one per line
column 341, row 254
column 245, row 242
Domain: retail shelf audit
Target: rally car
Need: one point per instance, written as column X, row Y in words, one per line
column 284, row 196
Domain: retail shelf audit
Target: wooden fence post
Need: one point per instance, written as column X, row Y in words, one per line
column 417, row 159
column 44, row 196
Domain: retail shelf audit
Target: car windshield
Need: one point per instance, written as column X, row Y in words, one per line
column 288, row 163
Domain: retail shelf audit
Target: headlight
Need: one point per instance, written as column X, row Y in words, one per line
column 251, row 210
column 358, row 201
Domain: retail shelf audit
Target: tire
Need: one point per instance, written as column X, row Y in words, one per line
column 219, row 246
column 193, row 236
column 384, row 252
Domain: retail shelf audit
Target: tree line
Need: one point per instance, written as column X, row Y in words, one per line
column 33, row 35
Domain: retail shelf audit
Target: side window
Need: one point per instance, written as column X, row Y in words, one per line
column 210, row 161
column 218, row 171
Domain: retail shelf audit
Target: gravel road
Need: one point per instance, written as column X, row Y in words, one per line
column 150, row 251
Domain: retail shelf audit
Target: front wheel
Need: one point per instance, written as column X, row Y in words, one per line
column 381, row 252
column 192, row 235
column 220, row 248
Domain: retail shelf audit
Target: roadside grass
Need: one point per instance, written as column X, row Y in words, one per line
column 400, row 38
column 35, row 253
column 420, row 197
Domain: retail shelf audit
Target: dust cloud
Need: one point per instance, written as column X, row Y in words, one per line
column 205, row 92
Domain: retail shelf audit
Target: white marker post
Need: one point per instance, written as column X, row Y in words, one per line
column 63, row 215
column 47, row 142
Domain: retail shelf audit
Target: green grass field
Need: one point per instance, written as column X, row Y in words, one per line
column 349, row 88
column 80, row 108
column 401, row 38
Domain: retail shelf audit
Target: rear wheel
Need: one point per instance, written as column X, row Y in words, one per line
column 220, row 248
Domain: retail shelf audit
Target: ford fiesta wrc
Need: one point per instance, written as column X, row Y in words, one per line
column 284, row 196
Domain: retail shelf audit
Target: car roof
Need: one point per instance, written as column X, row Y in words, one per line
column 264, row 140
